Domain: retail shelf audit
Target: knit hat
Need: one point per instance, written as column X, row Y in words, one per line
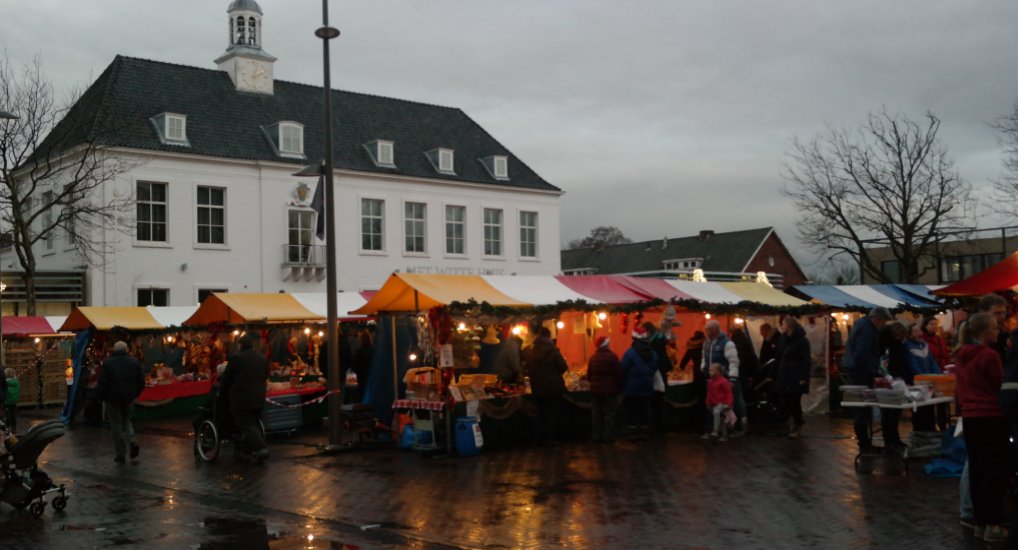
column 639, row 333
column 601, row 342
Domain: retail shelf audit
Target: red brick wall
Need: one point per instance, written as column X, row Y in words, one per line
column 784, row 264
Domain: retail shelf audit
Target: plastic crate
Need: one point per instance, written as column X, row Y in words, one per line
column 943, row 383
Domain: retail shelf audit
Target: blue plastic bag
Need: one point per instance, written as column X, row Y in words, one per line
column 407, row 438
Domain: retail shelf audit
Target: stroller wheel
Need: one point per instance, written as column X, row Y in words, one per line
column 206, row 441
column 37, row 508
column 59, row 503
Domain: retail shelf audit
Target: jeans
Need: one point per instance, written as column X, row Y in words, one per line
column 602, row 413
column 119, row 415
column 720, row 427
column 987, row 443
column 965, row 509
column 247, row 425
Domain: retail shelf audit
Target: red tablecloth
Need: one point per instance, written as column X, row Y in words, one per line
column 297, row 391
column 163, row 392
column 419, row 405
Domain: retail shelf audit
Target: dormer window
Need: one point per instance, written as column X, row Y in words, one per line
column 287, row 138
column 497, row 166
column 171, row 128
column 381, row 153
column 443, row 160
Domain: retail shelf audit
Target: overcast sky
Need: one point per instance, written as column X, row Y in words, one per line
column 661, row 117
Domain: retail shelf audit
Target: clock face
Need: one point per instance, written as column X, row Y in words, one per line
column 251, row 75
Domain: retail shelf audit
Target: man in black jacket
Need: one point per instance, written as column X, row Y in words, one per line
column 244, row 382
column 544, row 363
column 120, row 383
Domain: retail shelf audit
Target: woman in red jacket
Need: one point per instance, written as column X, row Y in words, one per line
column 938, row 348
column 979, row 376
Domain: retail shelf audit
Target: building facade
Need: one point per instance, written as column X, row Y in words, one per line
column 215, row 204
column 955, row 260
column 729, row 256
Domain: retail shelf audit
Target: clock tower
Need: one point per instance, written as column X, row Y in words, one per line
column 248, row 65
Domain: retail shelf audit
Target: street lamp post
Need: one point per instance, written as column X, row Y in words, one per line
column 326, row 33
column 4, row 115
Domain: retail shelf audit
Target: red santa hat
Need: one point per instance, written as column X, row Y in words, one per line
column 639, row 333
column 601, row 341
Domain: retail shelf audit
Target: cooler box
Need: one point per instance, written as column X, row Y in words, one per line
column 944, row 383
column 468, row 436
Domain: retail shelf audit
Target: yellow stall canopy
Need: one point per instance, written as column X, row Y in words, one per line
column 233, row 308
column 105, row 318
column 413, row 292
column 763, row 294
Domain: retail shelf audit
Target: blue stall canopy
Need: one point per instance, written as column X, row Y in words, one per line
column 869, row 296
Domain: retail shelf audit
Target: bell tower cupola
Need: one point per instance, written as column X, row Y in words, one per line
column 245, row 61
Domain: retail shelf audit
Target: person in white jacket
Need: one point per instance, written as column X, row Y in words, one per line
column 718, row 348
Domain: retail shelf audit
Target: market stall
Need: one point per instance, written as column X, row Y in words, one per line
column 453, row 323
column 39, row 354
column 290, row 335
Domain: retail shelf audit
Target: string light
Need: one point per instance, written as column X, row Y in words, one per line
column 602, row 316
column 517, row 330
column 706, row 316
column 560, row 325
column 739, row 320
column 236, row 332
column 413, row 357
column 307, row 331
column 321, row 333
column 462, row 327
column 844, row 316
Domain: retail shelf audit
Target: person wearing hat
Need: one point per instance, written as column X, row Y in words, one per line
column 639, row 364
column 120, row 383
column 604, row 371
column 862, row 362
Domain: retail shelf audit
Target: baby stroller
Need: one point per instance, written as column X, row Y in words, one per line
column 24, row 485
column 214, row 426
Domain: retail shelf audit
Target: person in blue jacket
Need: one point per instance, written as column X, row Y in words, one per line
column 921, row 360
column 861, row 363
column 638, row 367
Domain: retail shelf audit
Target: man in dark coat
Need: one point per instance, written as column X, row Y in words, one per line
column 120, row 383
column 793, row 373
column 605, row 375
column 862, row 362
column 244, row 382
column 544, row 364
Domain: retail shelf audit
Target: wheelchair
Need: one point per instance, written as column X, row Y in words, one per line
column 214, row 427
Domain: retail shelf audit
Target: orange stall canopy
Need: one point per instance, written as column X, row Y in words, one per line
column 105, row 318
column 1002, row 275
column 412, row 292
column 231, row 308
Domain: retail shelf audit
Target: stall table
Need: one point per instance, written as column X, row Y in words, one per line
column 168, row 400
column 913, row 406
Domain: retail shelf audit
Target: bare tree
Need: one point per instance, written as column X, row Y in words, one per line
column 890, row 182
column 601, row 235
column 53, row 170
column 1005, row 195
column 834, row 272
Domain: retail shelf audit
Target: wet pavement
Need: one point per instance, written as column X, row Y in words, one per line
column 758, row 491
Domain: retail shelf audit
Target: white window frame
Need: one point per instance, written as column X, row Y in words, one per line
column 198, row 208
column 166, row 218
column 150, row 289
column 463, row 231
column 415, row 223
column 500, row 166
column 310, row 230
column 299, row 129
column 361, row 217
column 446, row 160
column 386, row 153
column 534, row 229
column 500, row 226
column 168, row 129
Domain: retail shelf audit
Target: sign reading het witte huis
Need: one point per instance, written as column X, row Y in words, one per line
column 441, row 270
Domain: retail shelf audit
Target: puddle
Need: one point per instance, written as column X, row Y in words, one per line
column 253, row 534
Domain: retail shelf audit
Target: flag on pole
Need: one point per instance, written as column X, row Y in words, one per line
column 318, row 203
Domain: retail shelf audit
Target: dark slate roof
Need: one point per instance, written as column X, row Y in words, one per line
column 725, row 252
column 222, row 122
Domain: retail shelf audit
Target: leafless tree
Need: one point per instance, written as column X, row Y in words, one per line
column 601, row 235
column 834, row 272
column 890, row 182
column 1005, row 195
column 53, row 172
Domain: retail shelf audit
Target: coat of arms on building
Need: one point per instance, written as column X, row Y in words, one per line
column 302, row 192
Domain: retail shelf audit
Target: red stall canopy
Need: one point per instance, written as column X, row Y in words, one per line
column 654, row 288
column 24, row 326
column 603, row 288
column 1000, row 276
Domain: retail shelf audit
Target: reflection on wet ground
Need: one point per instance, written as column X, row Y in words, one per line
column 759, row 491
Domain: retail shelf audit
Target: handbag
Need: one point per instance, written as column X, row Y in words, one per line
column 659, row 382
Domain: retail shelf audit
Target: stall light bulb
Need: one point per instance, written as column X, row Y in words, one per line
column 706, row 316
column 321, row 333
column 307, row 331
column 602, row 316
column 560, row 325
column 413, row 357
column 37, row 340
column 462, row 327
column 835, row 315
column 844, row 316
column 739, row 320
column 311, row 538
column 236, row 332
column 517, row 330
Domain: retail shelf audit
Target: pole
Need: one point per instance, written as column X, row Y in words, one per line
column 335, row 384
column 395, row 363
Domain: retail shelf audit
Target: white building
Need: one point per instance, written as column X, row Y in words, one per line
column 419, row 188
